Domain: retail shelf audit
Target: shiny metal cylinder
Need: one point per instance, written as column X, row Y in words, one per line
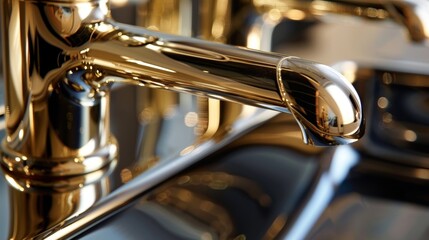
column 54, row 126
column 62, row 57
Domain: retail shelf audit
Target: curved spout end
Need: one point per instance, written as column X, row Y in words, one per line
column 315, row 138
column 325, row 105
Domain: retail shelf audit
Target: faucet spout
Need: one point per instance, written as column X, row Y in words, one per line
column 323, row 102
column 60, row 64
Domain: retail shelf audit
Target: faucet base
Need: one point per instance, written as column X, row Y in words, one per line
column 61, row 167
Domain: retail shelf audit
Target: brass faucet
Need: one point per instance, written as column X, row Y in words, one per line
column 61, row 58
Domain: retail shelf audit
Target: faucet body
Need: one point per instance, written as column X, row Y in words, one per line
column 61, row 57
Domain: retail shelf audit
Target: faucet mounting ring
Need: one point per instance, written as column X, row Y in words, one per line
column 61, row 167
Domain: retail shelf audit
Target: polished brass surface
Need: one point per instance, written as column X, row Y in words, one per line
column 412, row 14
column 74, row 137
column 265, row 185
column 37, row 205
column 62, row 57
